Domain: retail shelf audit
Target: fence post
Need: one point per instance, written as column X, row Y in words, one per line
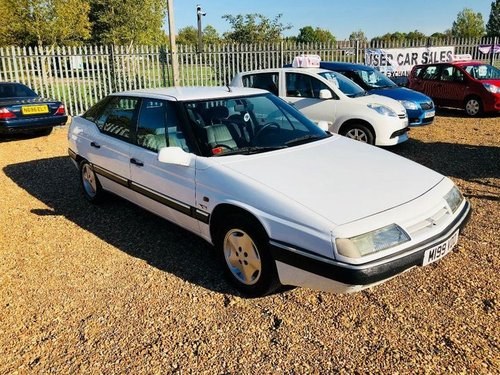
column 112, row 67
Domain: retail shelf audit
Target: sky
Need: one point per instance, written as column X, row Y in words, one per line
column 340, row 17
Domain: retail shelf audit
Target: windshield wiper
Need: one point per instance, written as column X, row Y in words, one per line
column 304, row 139
column 251, row 150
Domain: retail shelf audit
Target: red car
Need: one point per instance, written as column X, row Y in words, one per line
column 470, row 85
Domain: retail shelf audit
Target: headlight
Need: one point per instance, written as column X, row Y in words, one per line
column 492, row 88
column 383, row 110
column 409, row 104
column 371, row 242
column 454, row 198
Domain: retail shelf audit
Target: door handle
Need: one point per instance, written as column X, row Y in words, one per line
column 96, row 145
column 137, row 162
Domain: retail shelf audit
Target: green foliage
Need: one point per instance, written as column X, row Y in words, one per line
column 254, row 28
column 493, row 25
column 189, row 35
column 42, row 22
column 127, row 21
column 468, row 24
column 358, row 35
column 307, row 35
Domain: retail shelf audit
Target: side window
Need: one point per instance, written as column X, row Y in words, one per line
column 264, row 81
column 304, row 86
column 158, row 126
column 447, row 73
column 95, row 111
column 116, row 119
column 430, row 72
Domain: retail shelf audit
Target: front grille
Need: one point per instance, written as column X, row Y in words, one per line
column 427, row 105
column 402, row 115
column 438, row 218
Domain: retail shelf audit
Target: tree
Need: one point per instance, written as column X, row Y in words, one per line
column 358, row 35
column 187, row 35
column 127, row 21
column 42, row 22
column 254, row 28
column 493, row 25
column 210, row 35
column 468, row 24
column 307, row 35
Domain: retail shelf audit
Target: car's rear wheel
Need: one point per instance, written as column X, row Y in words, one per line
column 92, row 189
column 473, row 106
column 243, row 249
column 359, row 132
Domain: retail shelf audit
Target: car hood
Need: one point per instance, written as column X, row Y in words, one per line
column 379, row 99
column 495, row 82
column 338, row 178
column 401, row 93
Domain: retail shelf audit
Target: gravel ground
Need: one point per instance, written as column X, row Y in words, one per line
column 114, row 289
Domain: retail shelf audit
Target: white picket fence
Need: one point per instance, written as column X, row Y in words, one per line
column 80, row 76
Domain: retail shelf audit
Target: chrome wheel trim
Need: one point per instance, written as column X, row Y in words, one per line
column 242, row 257
column 89, row 181
column 472, row 107
column 357, row 134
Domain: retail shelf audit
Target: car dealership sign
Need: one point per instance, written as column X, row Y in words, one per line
column 400, row 61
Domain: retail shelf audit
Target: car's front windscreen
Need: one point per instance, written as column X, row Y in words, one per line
column 249, row 125
column 483, row 71
column 344, row 84
column 374, row 79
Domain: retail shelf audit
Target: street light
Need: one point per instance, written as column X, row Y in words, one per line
column 199, row 13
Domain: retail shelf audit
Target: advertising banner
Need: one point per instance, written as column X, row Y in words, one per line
column 400, row 61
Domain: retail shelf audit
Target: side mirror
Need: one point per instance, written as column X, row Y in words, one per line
column 174, row 155
column 325, row 94
column 323, row 125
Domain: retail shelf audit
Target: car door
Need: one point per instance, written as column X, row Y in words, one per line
column 302, row 91
column 428, row 81
column 110, row 147
column 165, row 189
column 451, row 90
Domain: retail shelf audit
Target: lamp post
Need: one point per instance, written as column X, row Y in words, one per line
column 173, row 47
column 199, row 13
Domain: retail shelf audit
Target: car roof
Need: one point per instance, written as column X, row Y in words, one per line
column 193, row 92
column 344, row 66
column 288, row 69
column 457, row 63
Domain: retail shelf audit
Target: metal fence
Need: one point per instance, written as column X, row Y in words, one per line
column 80, row 76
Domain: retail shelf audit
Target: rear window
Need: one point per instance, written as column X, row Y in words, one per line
column 12, row 90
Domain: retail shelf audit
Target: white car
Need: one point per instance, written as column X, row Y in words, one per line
column 323, row 95
column 283, row 201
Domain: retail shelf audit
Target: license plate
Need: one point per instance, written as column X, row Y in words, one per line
column 439, row 251
column 430, row 114
column 34, row 109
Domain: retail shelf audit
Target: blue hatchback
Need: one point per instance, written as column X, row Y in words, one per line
column 420, row 107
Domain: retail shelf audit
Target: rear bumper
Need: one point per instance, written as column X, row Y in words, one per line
column 33, row 124
column 302, row 268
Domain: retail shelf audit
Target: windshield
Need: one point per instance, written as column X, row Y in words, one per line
column 483, row 71
column 345, row 85
column 374, row 79
column 248, row 125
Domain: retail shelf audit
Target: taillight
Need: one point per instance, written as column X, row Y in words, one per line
column 60, row 110
column 6, row 114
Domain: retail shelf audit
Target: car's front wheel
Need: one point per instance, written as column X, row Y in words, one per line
column 473, row 106
column 92, row 189
column 243, row 248
column 359, row 132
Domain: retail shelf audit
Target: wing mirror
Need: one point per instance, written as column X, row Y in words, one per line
column 174, row 155
column 325, row 94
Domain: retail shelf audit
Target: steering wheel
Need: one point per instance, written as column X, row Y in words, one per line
column 266, row 127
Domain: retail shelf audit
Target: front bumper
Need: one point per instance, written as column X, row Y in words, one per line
column 302, row 268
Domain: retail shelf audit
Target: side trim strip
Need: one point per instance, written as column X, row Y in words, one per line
column 172, row 203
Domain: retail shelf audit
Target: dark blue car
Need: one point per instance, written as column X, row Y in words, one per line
column 23, row 111
column 420, row 107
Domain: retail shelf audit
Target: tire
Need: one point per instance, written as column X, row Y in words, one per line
column 359, row 132
column 473, row 106
column 243, row 250
column 91, row 187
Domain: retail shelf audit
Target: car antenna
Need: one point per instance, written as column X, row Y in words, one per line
column 229, row 88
